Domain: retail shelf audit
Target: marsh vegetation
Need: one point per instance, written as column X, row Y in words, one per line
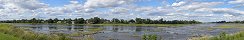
column 11, row 32
column 211, row 31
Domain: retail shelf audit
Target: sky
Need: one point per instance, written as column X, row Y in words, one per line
column 201, row 10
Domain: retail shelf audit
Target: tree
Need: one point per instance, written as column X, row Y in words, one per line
column 132, row 21
column 55, row 20
column 69, row 21
column 33, row 20
column 115, row 20
column 50, row 21
column 161, row 21
column 79, row 21
column 139, row 21
column 148, row 21
column 94, row 20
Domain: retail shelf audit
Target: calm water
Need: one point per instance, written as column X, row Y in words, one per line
column 130, row 32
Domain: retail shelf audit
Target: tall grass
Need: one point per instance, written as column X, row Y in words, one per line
column 224, row 36
column 28, row 35
column 149, row 37
column 8, row 37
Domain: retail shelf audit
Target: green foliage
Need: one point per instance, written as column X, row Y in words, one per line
column 240, row 26
column 28, row 35
column 8, row 37
column 224, row 36
column 229, row 22
column 97, row 20
column 149, row 37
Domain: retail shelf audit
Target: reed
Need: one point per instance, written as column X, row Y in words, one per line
column 29, row 35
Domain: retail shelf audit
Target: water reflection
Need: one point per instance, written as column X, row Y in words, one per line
column 129, row 32
column 48, row 28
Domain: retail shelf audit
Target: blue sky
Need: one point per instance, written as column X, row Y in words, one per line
column 201, row 10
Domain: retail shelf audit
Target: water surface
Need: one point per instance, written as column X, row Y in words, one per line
column 131, row 32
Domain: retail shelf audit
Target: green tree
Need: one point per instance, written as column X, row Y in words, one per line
column 132, row 21
column 55, row 20
column 79, row 21
column 33, row 20
column 139, row 21
column 50, row 21
column 115, row 20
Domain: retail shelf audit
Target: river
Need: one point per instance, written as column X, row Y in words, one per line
column 131, row 32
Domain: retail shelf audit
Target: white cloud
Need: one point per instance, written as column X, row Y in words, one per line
column 197, row 5
column 125, row 9
column 222, row 11
column 236, row 1
column 119, row 10
column 106, row 3
column 179, row 3
column 25, row 4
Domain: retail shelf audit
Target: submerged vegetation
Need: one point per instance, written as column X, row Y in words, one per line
column 7, row 29
column 89, row 31
column 149, row 37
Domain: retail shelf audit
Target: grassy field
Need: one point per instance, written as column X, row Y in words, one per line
column 8, row 37
column 242, row 38
column 223, row 36
column 19, row 33
column 231, row 26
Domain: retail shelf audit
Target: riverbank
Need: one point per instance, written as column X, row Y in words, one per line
column 224, row 36
column 153, row 25
column 8, row 31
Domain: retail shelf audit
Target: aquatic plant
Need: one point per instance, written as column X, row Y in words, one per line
column 149, row 37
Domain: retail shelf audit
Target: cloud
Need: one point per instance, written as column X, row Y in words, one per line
column 222, row 11
column 106, row 3
column 25, row 4
column 120, row 10
column 236, row 1
column 178, row 4
column 197, row 5
column 124, row 9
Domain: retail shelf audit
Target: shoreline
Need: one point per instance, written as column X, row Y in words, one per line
column 153, row 25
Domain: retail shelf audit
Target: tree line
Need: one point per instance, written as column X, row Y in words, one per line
column 97, row 20
column 229, row 22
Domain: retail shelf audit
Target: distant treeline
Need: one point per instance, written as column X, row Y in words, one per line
column 229, row 22
column 97, row 20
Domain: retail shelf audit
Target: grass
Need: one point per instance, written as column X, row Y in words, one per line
column 242, row 38
column 8, row 37
column 89, row 31
column 149, row 37
column 231, row 26
column 95, row 29
column 224, row 36
column 28, row 35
